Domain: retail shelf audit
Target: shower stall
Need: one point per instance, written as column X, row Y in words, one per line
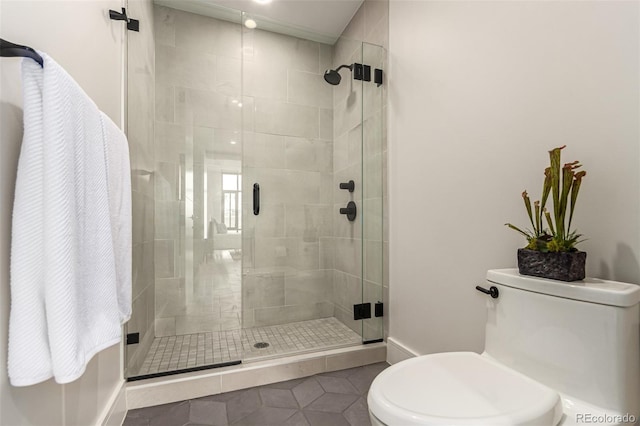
column 257, row 190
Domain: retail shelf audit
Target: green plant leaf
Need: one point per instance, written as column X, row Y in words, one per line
column 527, row 204
column 527, row 235
column 547, row 215
column 577, row 181
column 554, row 169
column 546, row 188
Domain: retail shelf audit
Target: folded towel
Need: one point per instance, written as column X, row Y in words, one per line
column 70, row 291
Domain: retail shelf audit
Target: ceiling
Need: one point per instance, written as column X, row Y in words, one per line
column 317, row 20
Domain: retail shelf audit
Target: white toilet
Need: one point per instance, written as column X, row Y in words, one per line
column 555, row 353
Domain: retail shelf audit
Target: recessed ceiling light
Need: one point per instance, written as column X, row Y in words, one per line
column 262, row 1
column 233, row 142
column 250, row 23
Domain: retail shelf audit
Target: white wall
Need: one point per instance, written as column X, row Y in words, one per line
column 79, row 35
column 479, row 92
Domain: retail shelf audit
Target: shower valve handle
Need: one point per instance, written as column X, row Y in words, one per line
column 351, row 185
column 350, row 211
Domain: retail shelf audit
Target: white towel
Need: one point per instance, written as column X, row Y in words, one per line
column 119, row 175
column 68, row 299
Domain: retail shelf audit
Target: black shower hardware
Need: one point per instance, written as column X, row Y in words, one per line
column 377, row 78
column 12, row 50
column 333, row 76
column 256, row 199
column 351, row 185
column 350, row 211
column 493, row 291
column 132, row 24
column 360, row 72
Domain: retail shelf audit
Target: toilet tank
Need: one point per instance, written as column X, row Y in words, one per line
column 580, row 338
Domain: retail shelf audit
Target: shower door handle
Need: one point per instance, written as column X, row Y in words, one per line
column 256, row 199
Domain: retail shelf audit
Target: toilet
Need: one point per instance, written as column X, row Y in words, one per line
column 556, row 353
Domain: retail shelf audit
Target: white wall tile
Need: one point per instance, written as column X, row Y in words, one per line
column 207, row 109
column 304, row 88
column 288, row 52
column 286, row 119
column 202, row 34
column 177, row 67
column 165, row 96
column 308, row 154
column 164, row 24
column 308, row 287
column 263, row 150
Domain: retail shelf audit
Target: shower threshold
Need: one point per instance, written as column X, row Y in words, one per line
column 200, row 351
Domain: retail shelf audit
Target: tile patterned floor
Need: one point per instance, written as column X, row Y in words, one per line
column 338, row 398
column 194, row 350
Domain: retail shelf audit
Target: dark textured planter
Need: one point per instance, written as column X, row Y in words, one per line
column 556, row 266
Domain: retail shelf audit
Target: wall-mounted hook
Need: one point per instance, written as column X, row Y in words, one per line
column 132, row 24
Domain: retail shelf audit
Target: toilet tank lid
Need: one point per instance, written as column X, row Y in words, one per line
column 592, row 290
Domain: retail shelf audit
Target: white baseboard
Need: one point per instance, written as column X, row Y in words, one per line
column 116, row 409
column 397, row 352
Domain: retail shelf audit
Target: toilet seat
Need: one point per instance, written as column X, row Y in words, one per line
column 460, row 388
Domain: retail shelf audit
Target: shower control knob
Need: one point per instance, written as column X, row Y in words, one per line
column 350, row 211
column 351, row 185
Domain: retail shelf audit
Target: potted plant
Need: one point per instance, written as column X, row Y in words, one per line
column 551, row 252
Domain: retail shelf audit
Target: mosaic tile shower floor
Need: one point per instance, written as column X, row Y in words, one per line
column 200, row 349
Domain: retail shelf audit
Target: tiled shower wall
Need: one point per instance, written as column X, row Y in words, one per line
column 288, row 151
column 140, row 131
column 286, row 121
column 198, row 118
column 369, row 244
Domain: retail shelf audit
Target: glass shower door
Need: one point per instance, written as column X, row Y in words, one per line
column 188, row 304
column 373, row 176
column 288, row 256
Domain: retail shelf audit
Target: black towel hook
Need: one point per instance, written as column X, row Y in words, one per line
column 9, row 50
column 132, row 24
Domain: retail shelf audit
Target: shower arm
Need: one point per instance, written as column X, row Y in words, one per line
column 344, row 66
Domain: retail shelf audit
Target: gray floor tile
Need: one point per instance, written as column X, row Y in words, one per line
column 279, row 398
column 307, row 392
column 151, row 412
column 358, row 413
column 332, row 402
column 297, row 419
column 336, row 385
column 135, row 421
column 317, row 418
column 177, row 415
column 289, row 384
column 341, row 373
column 208, row 413
column 243, row 404
column 267, row 416
column 222, row 397
column 362, row 379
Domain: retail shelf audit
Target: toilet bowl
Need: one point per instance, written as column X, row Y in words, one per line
column 555, row 354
